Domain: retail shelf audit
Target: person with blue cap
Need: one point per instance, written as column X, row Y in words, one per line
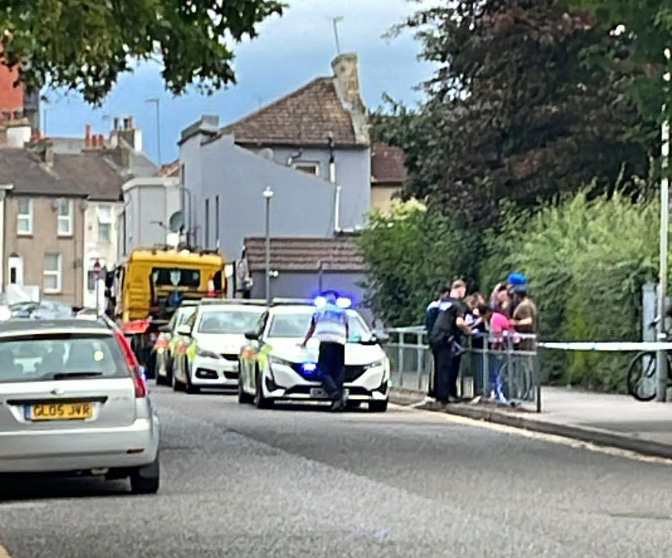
column 514, row 281
column 330, row 326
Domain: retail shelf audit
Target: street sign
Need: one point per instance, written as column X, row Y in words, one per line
column 96, row 268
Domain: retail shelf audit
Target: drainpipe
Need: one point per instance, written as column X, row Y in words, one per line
column 332, row 179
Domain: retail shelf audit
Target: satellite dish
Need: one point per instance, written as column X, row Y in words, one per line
column 267, row 154
column 176, row 222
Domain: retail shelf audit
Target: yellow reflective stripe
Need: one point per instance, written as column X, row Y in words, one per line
column 191, row 352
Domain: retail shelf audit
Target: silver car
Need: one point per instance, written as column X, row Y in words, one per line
column 73, row 400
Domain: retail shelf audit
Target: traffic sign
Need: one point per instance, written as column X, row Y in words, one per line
column 96, row 268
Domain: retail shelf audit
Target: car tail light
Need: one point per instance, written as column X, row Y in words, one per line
column 133, row 364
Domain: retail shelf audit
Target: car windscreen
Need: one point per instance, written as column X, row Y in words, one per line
column 187, row 277
column 35, row 358
column 228, row 321
column 184, row 314
column 297, row 325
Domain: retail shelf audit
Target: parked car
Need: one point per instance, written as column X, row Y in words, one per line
column 167, row 341
column 73, row 400
column 273, row 366
column 209, row 343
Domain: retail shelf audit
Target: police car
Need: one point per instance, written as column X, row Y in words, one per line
column 274, row 367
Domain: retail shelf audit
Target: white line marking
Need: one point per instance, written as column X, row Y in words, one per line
column 551, row 438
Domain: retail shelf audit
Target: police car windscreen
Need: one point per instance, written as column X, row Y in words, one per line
column 296, row 325
column 229, row 322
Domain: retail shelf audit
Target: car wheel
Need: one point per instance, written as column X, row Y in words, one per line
column 260, row 402
column 378, row 406
column 145, row 480
column 243, row 396
column 177, row 385
column 161, row 380
column 188, row 386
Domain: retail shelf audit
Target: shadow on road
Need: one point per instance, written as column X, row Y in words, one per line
column 15, row 488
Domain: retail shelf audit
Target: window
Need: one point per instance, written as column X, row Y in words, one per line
column 308, row 168
column 52, row 273
column 188, row 277
column 104, row 224
column 25, row 217
column 228, row 322
column 64, row 217
column 207, row 224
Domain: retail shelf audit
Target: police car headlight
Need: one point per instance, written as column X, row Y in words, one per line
column 277, row 361
column 206, row 354
column 377, row 364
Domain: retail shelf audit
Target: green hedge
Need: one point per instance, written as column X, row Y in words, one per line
column 586, row 261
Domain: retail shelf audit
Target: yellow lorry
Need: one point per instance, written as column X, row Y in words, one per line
column 144, row 291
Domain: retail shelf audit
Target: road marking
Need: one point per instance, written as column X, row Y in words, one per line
column 551, row 438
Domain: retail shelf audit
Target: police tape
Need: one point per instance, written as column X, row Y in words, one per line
column 608, row 346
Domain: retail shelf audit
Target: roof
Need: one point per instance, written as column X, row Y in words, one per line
column 170, row 170
column 29, row 175
column 305, row 117
column 91, row 171
column 387, row 164
column 305, row 254
column 19, row 326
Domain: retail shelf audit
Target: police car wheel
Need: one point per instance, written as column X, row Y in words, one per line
column 378, row 406
column 260, row 402
column 243, row 396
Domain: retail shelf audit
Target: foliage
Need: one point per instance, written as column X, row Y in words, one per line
column 514, row 111
column 647, row 27
column 587, row 261
column 85, row 44
column 411, row 252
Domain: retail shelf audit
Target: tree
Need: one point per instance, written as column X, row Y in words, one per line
column 514, row 112
column 647, row 26
column 84, row 45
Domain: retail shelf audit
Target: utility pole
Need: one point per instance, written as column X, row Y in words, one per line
column 661, row 391
column 268, row 195
column 158, row 126
column 336, row 21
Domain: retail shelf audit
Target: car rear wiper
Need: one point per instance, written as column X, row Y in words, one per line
column 69, row 375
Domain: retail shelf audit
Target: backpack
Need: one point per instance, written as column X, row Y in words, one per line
column 442, row 333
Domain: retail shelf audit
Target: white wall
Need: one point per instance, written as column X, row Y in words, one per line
column 99, row 246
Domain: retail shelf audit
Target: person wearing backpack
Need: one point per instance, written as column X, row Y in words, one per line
column 445, row 342
column 431, row 314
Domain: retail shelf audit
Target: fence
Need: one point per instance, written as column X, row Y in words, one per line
column 504, row 370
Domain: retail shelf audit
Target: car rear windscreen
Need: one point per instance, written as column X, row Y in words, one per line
column 36, row 358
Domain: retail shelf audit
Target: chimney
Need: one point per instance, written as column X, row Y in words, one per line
column 116, row 123
column 87, row 136
column 48, row 152
column 93, row 141
column 346, row 79
column 130, row 135
column 101, row 140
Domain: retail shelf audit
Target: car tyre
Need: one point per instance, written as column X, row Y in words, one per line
column 243, row 397
column 188, row 386
column 161, row 380
column 378, row 406
column 146, row 480
column 177, row 385
column 260, row 402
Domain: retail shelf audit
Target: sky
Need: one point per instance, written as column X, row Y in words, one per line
column 289, row 52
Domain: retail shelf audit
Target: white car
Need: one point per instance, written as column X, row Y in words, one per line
column 273, row 366
column 73, row 400
column 208, row 344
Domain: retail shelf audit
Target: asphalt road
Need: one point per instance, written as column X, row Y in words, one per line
column 304, row 483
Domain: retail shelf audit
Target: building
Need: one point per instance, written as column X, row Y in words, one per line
column 16, row 103
column 310, row 147
column 302, row 267
column 388, row 174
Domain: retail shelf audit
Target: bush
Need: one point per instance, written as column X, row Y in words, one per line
column 586, row 261
column 411, row 251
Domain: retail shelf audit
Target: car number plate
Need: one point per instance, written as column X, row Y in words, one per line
column 318, row 393
column 59, row 411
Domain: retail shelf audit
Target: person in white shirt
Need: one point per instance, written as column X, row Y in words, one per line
column 330, row 326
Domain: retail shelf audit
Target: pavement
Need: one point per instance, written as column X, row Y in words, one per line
column 604, row 419
column 300, row 482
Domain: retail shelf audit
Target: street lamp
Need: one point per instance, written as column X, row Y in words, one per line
column 268, row 195
column 158, row 126
column 661, row 391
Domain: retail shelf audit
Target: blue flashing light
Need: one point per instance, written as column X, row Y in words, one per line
column 320, row 302
column 344, row 303
column 309, row 368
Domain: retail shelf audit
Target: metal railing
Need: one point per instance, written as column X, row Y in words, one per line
column 503, row 369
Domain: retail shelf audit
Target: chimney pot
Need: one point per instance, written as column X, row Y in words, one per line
column 101, row 140
column 130, row 122
column 116, row 123
column 87, row 135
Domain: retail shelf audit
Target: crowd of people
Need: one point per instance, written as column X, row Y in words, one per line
column 453, row 317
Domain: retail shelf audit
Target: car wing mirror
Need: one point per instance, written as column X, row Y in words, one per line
column 184, row 330
column 252, row 336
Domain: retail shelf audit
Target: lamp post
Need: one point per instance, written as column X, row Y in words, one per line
column 268, row 195
column 661, row 391
column 158, row 126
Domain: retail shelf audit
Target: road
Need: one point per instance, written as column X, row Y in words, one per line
column 241, row 482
